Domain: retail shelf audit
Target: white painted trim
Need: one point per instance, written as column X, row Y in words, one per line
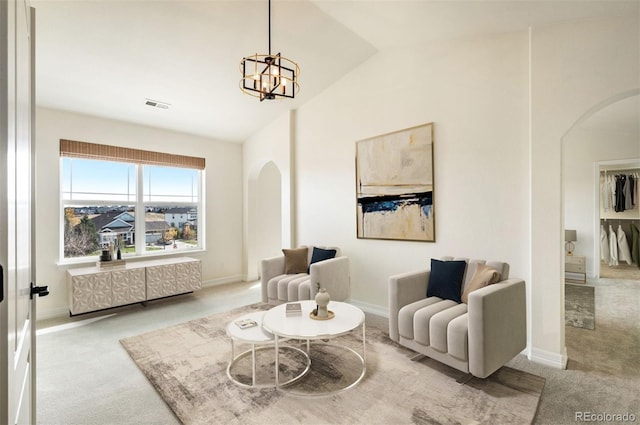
column 370, row 308
column 548, row 358
column 51, row 313
column 71, row 325
column 223, row 280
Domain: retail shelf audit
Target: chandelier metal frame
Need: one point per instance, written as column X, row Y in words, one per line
column 269, row 76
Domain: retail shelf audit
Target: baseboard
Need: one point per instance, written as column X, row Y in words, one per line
column 223, row 280
column 548, row 358
column 370, row 308
column 51, row 313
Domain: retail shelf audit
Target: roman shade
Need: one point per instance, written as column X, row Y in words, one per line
column 76, row 149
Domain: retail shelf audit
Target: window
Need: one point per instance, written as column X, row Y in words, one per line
column 144, row 202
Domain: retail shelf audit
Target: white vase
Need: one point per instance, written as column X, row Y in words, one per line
column 322, row 301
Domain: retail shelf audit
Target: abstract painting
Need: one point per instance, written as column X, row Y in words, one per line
column 394, row 185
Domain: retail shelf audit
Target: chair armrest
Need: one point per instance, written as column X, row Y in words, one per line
column 405, row 289
column 334, row 275
column 270, row 268
column 497, row 325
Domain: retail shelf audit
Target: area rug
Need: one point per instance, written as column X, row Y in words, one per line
column 579, row 306
column 187, row 365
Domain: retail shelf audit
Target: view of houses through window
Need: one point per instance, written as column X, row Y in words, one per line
column 102, row 202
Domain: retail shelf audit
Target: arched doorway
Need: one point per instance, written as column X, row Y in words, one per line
column 607, row 135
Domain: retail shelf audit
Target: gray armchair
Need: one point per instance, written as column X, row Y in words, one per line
column 280, row 285
column 477, row 337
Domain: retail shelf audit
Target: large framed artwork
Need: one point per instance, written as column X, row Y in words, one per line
column 394, row 185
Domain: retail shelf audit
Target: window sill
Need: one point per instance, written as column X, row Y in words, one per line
column 91, row 261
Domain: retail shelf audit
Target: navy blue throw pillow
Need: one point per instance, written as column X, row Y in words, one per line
column 445, row 280
column 320, row 254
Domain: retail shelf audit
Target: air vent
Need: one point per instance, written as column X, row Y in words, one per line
column 157, row 104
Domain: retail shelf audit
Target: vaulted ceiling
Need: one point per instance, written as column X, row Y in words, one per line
column 105, row 57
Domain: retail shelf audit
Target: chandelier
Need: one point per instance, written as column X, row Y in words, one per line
column 269, row 76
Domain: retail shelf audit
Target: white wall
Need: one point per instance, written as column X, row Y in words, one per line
column 584, row 148
column 268, row 229
column 223, row 260
column 475, row 92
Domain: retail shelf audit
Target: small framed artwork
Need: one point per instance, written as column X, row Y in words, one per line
column 394, row 186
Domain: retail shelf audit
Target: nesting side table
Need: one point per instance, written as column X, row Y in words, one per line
column 259, row 339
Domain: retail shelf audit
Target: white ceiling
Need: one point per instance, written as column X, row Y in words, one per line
column 105, row 57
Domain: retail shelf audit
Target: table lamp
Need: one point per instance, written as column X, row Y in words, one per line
column 570, row 237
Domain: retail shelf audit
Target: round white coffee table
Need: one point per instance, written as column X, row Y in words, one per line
column 347, row 317
column 255, row 336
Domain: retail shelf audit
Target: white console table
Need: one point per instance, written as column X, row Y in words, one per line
column 95, row 288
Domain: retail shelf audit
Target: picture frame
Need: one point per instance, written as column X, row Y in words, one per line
column 395, row 187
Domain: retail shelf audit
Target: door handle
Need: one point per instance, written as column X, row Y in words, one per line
column 41, row 291
column 1, row 284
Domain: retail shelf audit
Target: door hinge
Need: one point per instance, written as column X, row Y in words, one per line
column 41, row 291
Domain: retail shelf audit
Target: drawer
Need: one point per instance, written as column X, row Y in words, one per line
column 575, row 264
column 575, row 268
column 575, row 259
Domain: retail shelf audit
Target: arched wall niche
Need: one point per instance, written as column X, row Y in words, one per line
column 265, row 215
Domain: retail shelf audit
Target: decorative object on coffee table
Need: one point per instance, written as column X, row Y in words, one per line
column 293, row 309
column 314, row 316
column 322, row 301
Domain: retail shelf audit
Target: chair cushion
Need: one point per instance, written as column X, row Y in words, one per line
column 423, row 317
column 439, row 326
column 445, row 279
column 406, row 313
column 484, row 275
column 295, row 260
column 458, row 337
column 320, row 254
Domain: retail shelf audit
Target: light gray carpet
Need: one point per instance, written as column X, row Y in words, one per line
column 85, row 377
column 579, row 306
column 603, row 371
column 187, row 365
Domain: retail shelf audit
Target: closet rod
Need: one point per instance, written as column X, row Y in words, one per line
column 620, row 171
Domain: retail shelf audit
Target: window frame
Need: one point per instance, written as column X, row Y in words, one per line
column 139, row 207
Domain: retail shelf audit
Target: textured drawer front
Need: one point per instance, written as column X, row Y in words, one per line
column 161, row 281
column 188, row 276
column 90, row 292
column 128, row 286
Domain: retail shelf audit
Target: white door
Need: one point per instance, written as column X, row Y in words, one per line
column 16, row 211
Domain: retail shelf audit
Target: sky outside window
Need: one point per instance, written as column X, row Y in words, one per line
column 85, row 179
column 170, row 184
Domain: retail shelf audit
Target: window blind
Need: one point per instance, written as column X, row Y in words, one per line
column 76, row 149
